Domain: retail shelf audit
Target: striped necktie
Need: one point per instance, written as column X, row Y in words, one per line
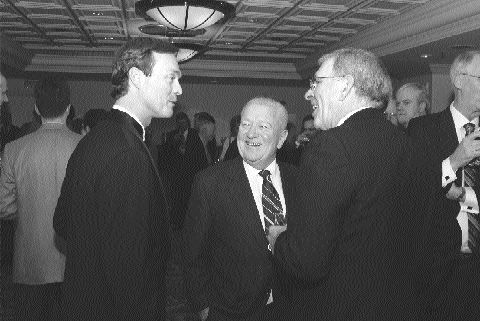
column 472, row 178
column 272, row 206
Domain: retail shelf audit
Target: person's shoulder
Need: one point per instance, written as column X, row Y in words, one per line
column 287, row 167
column 426, row 122
column 221, row 170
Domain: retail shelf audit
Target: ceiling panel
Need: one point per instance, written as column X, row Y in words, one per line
column 285, row 31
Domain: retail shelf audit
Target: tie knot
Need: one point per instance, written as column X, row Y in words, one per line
column 469, row 128
column 265, row 174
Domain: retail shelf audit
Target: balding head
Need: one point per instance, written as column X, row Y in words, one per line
column 262, row 131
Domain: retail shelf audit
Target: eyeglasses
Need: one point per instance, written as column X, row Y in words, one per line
column 465, row 74
column 314, row 81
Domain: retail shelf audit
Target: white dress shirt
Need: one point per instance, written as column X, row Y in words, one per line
column 256, row 182
column 448, row 175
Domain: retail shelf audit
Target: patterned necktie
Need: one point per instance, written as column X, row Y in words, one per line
column 471, row 176
column 272, row 206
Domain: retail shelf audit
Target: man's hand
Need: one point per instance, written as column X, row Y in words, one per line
column 468, row 149
column 273, row 232
column 455, row 193
column 204, row 314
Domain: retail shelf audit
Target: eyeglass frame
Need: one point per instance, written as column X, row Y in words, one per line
column 315, row 80
column 465, row 74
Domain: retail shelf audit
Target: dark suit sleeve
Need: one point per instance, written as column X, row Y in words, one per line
column 196, row 230
column 418, row 131
column 63, row 208
column 324, row 191
column 125, row 187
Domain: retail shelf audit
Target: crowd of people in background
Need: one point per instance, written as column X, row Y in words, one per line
column 369, row 212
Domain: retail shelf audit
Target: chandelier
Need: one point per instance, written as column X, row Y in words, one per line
column 187, row 51
column 185, row 14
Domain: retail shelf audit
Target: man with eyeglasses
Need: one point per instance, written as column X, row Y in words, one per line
column 351, row 238
column 455, row 287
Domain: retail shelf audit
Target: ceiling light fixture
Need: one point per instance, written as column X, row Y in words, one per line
column 185, row 14
column 187, row 51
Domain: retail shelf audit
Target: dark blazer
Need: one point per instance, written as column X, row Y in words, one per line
column 351, row 237
column 453, row 282
column 228, row 266
column 114, row 217
column 436, row 137
column 180, row 169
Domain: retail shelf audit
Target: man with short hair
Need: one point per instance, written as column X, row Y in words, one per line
column 112, row 210
column 454, row 290
column 411, row 102
column 181, row 157
column 349, row 238
column 33, row 168
column 228, row 263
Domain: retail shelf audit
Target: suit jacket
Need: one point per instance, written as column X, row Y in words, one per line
column 436, row 136
column 180, row 169
column 351, row 237
column 32, row 175
column 228, row 266
column 113, row 214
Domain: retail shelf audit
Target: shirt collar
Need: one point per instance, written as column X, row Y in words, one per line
column 350, row 114
column 272, row 168
column 459, row 119
column 122, row 109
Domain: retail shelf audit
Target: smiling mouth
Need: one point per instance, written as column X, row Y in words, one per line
column 253, row 144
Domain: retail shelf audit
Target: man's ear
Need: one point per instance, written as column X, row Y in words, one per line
column 135, row 76
column 423, row 108
column 347, row 86
column 283, row 137
column 458, row 81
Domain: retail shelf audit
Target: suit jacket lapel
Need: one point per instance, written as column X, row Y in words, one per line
column 249, row 210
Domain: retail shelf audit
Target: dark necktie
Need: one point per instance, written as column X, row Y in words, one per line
column 472, row 175
column 272, row 206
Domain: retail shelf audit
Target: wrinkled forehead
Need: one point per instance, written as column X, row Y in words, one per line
column 408, row 93
column 473, row 67
column 261, row 113
column 326, row 68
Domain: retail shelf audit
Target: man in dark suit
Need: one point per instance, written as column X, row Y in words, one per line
column 454, row 286
column 112, row 210
column 228, row 263
column 179, row 158
column 350, row 236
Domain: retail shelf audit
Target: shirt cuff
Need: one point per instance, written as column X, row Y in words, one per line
column 448, row 175
column 471, row 204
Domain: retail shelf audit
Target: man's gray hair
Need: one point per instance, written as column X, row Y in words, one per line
column 422, row 93
column 461, row 62
column 272, row 103
column 370, row 77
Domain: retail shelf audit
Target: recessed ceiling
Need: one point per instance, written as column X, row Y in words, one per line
column 276, row 36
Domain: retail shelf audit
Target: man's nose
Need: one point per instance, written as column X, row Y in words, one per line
column 308, row 95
